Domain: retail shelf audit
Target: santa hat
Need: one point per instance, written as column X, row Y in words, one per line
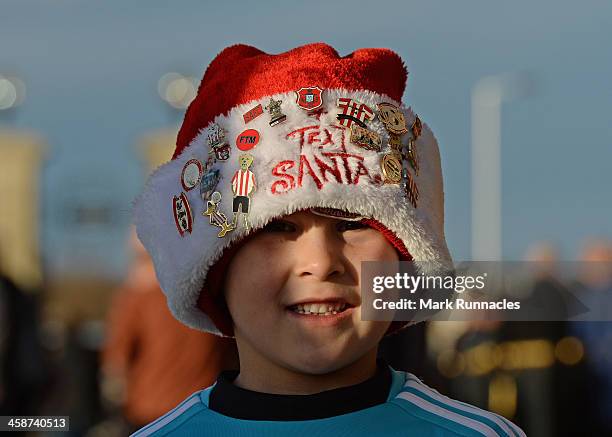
column 275, row 134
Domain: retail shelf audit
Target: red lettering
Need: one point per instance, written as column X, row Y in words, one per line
column 315, row 178
column 324, row 168
column 342, row 138
column 311, row 135
column 344, row 157
column 330, row 164
column 280, row 170
column 300, row 134
column 361, row 170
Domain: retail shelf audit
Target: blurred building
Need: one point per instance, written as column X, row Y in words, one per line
column 21, row 157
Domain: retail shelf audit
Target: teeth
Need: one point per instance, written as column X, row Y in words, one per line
column 321, row 309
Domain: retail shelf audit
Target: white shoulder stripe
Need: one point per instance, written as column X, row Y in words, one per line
column 506, row 425
column 168, row 417
column 482, row 428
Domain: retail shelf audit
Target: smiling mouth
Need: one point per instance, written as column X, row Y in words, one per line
column 320, row 308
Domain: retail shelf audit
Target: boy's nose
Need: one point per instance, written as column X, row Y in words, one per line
column 318, row 254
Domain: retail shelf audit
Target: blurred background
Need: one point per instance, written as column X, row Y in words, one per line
column 91, row 97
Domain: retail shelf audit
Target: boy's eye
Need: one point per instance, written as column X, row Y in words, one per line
column 347, row 225
column 279, row 226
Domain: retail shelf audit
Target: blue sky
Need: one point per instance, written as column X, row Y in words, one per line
column 92, row 67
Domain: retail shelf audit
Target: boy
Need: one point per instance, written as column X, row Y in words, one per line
column 338, row 173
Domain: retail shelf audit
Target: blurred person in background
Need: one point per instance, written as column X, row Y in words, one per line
column 594, row 287
column 23, row 373
column 510, row 367
column 150, row 361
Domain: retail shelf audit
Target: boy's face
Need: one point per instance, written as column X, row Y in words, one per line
column 313, row 261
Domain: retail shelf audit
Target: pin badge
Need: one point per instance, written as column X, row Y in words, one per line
column 217, row 143
column 243, row 184
column 216, row 217
column 353, row 112
column 209, row 183
column 391, row 165
column 417, row 127
column 410, row 188
column 210, row 161
column 365, row 138
column 191, row 174
column 252, row 114
column 182, row 214
column 395, row 142
column 247, row 139
column 412, row 156
column 392, row 118
column 274, row 108
column 309, row 98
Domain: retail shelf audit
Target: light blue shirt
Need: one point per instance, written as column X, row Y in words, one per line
column 411, row 409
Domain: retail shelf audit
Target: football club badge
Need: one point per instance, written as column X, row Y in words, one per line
column 210, row 161
column 217, row 143
column 411, row 190
column 191, row 174
column 252, row 114
column 216, row 217
column 247, row 139
column 209, row 183
column 392, row 118
column 391, row 165
column 182, row 214
column 395, row 142
column 353, row 112
column 309, row 98
column 412, row 156
column 417, row 127
column 243, row 185
column 366, row 139
column 222, row 153
column 274, row 108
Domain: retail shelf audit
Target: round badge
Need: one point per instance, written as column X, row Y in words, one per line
column 392, row 168
column 191, row 175
column 247, row 139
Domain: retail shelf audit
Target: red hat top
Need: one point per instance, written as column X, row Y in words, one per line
column 242, row 73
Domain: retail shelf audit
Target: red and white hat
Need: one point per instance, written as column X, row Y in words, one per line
column 269, row 135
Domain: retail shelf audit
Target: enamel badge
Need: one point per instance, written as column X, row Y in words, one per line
column 191, row 174
column 391, row 165
column 412, row 156
column 216, row 217
column 353, row 112
column 182, row 214
column 217, row 143
column 247, row 139
column 410, row 188
column 243, row 185
column 209, row 183
column 417, row 127
column 252, row 114
column 366, row 139
column 274, row 108
column 392, row 118
column 309, row 98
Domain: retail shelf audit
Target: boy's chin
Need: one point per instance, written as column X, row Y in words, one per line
column 321, row 362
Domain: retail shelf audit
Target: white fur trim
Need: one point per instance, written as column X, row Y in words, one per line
column 182, row 263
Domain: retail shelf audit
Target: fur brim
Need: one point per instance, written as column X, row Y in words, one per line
column 182, row 262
